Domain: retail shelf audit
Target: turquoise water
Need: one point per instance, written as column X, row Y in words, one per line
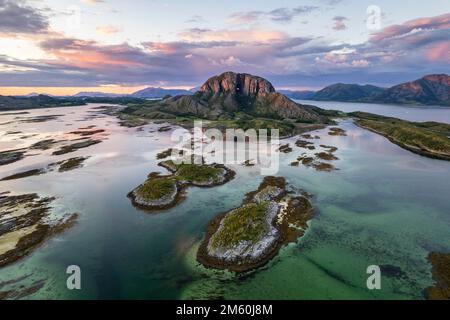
column 385, row 206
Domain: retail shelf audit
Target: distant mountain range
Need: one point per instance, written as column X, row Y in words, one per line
column 151, row 93
column 298, row 94
column 430, row 90
column 347, row 92
column 94, row 94
column 147, row 93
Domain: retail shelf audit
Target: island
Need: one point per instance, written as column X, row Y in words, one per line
column 163, row 192
column 234, row 100
column 249, row 236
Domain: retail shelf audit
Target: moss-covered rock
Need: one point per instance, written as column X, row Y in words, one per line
column 247, row 237
column 163, row 192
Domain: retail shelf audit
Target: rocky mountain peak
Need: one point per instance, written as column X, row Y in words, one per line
column 443, row 79
column 237, row 83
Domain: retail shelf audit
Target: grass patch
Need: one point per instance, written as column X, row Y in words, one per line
column 410, row 134
column 154, row 189
column 246, row 223
column 201, row 173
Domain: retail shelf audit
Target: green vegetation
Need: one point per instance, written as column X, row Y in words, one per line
column 39, row 101
column 72, row 163
column 157, row 188
column 426, row 138
column 246, row 223
column 183, row 175
column 198, row 173
column 284, row 126
column 410, row 134
column 438, row 127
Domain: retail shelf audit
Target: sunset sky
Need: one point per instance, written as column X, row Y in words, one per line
column 66, row 46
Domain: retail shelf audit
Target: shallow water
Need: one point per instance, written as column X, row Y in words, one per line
column 385, row 206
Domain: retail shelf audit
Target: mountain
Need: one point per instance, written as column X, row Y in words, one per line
column 34, row 102
column 298, row 94
column 94, row 94
column 347, row 92
column 153, row 93
column 431, row 89
column 222, row 96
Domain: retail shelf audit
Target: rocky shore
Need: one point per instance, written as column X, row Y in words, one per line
column 25, row 224
column 249, row 236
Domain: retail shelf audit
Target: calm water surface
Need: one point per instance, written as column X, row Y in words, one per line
column 385, row 206
column 410, row 113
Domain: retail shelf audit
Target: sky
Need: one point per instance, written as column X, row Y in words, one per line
column 66, row 46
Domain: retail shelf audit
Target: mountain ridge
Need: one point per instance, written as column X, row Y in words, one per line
column 432, row 89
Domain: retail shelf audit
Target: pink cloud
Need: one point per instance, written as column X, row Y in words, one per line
column 108, row 30
column 251, row 35
column 441, row 22
column 439, row 52
column 339, row 23
column 89, row 54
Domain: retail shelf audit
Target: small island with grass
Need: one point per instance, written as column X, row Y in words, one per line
column 249, row 236
column 160, row 192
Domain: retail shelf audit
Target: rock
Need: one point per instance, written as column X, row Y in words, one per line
column 337, row 132
column 163, row 192
column 249, row 236
column 326, row 156
column 223, row 95
column 25, row 223
column 285, row 148
column 10, row 156
column 75, row 146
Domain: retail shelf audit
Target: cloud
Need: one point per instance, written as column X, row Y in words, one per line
column 241, row 35
column 199, row 53
column 196, row 19
column 108, row 30
column 331, row 2
column 232, row 62
column 277, row 15
column 441, row 22
column 363, row 63
column 339, row 23
column 17, row 17
column 92, row 2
